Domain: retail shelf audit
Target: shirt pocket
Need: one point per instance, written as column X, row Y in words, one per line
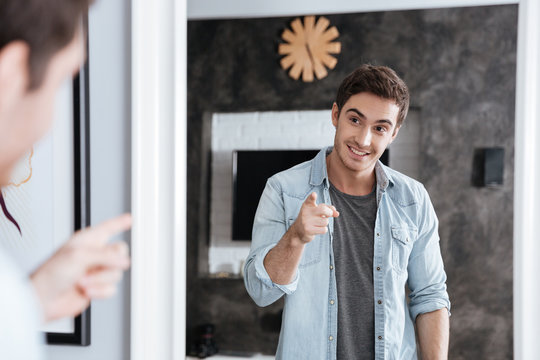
column 402, row 243
column 312, row 251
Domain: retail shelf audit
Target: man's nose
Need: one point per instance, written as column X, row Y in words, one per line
column 363, row 137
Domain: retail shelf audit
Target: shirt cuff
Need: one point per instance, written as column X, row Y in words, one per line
column 263, row 276
column 428, row 307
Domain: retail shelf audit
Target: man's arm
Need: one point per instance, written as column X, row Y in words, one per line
column 271, row 266
column 281, row 263
column 429, row 303
column 433, row 334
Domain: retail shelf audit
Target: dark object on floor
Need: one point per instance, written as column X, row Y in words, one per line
column 206, row 345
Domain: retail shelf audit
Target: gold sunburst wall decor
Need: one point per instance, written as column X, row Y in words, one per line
column 309, row 47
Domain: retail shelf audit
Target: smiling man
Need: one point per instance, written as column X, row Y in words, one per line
column 342, row 235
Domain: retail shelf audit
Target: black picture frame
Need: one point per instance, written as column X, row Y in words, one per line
column 81, row 146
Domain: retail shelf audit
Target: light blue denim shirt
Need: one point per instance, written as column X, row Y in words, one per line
column 406, row 252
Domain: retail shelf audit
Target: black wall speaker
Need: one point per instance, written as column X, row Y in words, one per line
column 488, row 167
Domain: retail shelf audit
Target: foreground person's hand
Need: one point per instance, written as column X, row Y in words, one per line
column 84, row 268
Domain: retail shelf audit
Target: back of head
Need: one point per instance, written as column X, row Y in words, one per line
column 378, row 80
column 46, row 26
column 40, row 47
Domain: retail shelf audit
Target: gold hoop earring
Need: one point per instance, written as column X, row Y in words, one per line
column 29, row 175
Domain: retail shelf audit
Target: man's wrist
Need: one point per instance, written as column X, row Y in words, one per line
column 294, row 240
column 39, row 284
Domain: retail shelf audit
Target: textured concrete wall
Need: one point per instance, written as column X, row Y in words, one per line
column 460, row 67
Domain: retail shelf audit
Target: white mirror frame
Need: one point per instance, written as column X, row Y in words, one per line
column 526, row 185
column 219, row 9
column 158, row 245
column 159, row 172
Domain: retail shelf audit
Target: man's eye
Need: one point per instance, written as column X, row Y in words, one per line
column 354, row 120
column 380, row 128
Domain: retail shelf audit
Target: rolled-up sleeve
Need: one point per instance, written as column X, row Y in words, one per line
column 427, row 278
column 269, row 227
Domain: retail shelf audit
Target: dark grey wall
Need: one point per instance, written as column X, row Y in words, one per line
column 460, row 67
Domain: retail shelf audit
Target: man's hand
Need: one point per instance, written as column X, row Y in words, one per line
column 84, row 268
column 282, row 261
column 313, row 219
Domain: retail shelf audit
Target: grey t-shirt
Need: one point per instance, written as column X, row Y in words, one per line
column 353, row 254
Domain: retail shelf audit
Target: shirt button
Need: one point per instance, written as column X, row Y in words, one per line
column 378, row 268
column 379, row 302
column 378, row 234
column 331, row 267
column 331, row 302
column 380, row 337
column 330, row 338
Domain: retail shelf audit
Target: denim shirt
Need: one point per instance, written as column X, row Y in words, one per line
column 406, row 252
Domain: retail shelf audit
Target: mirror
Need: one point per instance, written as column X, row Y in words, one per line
column 460, row 66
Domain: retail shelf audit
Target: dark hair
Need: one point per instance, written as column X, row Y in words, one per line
column 46, row 26
column 378, row 80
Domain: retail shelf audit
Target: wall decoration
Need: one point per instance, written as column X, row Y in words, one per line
column 48, row 198
column 308, row 48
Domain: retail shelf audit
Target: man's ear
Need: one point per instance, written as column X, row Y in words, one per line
column 14, row 72
column 394, row 135
column 335, row 115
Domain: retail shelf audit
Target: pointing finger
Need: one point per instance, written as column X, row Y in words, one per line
column 312, row 199
column 115, row 226
column 101, row 233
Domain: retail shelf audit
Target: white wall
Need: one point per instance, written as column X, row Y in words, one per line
column 109, row 50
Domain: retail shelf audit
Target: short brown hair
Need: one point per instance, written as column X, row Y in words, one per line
column 47, row 26
column 378, row 80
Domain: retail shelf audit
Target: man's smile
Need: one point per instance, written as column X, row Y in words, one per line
column 358, row 153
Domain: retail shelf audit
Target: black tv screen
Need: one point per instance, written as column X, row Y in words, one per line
column 251, row 170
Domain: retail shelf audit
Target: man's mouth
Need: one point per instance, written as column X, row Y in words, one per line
column 357, row 152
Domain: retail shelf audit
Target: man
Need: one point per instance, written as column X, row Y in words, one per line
column 341, row 236
column 41, row 46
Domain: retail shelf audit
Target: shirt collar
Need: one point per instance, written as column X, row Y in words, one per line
column 319, row 172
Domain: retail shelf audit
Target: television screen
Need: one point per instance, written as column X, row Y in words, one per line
column 251, row 170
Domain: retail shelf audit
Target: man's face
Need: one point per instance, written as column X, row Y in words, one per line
column 26, row 115
column 365, row 127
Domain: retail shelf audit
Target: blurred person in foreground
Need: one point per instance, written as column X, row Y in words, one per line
column 41, row 46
